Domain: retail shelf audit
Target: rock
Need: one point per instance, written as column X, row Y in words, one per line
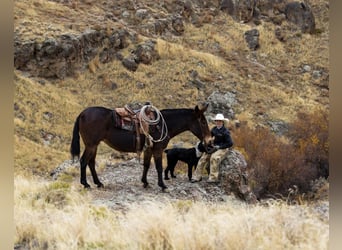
column 220, row 102
column 279, row 127
column 228, row 6
column 234, row 178
column 252, row 39
column 145, row 53
column 306, row 68
column 177, row 25
column 130, row 63
column 240, row 10
column 58, row 57
column 142, row 13
column 160, row 26
column 300, row 14
column 280, row 34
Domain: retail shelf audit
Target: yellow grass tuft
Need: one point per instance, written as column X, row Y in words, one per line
column 70, row 221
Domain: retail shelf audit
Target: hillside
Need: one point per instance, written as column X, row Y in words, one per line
column 269, row 84
column 261, row 63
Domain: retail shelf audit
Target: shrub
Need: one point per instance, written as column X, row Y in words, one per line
column 310, row 136
column 276, row 164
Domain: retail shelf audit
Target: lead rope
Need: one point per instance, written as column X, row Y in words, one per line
column 150, row 121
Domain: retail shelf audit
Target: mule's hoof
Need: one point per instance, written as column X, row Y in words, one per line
column 85, row 184
column 174, row 176
column 166, row 178
column 145, row 185
column 162, row 185
column 100, row 185
column 196, row 180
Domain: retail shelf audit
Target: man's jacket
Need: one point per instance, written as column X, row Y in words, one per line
column 222, row 137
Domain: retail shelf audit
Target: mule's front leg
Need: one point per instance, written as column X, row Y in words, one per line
column 83, row 163
column 158, row 160
column 147, row 161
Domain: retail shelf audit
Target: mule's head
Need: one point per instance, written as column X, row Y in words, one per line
column 200, row 127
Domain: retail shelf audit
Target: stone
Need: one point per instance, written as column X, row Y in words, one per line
column 300, row 14
column 233, row 176
column 252, row 39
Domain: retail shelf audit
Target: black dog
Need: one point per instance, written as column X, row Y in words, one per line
column 190, row 156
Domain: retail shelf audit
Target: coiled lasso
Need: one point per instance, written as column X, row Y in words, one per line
column 150, row 121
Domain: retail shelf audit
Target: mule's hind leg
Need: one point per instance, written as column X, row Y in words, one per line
column 92, row 169
column 83, row 163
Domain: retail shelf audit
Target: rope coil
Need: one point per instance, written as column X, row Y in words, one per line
column 150, row 121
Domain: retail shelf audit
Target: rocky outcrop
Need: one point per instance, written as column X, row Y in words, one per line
column 220, row 102
column 241, row 10
column 144, row 53
column 234, row 177
column 300, row 14
column 252, row 39
column 275, row 11
column 59, row 57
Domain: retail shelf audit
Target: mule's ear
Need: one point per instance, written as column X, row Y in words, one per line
column 202, row 107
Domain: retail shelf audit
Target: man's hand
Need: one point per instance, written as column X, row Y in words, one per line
column 213, row 149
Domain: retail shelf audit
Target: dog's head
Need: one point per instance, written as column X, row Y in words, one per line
column 200, row 148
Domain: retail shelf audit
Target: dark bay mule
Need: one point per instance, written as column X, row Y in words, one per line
column 96, row 124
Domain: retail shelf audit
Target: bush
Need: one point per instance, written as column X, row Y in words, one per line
column 276, row 164
column 310, row 136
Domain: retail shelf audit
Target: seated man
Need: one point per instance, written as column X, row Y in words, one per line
column 221, row 145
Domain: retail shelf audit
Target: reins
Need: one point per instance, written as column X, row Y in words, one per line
column 153, row 121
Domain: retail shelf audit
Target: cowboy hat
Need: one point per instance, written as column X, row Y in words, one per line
column 220, row 117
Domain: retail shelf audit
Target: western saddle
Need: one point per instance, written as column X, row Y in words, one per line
column 130, row 119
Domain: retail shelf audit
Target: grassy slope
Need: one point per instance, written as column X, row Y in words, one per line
column 267, row 80
column 56, row 216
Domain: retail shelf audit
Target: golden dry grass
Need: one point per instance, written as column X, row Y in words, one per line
column 54, row 215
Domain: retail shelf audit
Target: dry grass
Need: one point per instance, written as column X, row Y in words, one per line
column 54, row 215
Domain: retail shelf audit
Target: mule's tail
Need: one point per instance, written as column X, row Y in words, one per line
column 75, row 141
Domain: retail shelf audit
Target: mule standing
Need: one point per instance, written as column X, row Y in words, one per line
column 96, row 124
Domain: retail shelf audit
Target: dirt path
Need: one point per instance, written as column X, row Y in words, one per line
column 123, row 186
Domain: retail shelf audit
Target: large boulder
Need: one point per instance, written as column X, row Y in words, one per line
column 240, row 10
column 234, row 177
column 252, row 39
column 300, row 14
column 222, row 102
column 145, row 53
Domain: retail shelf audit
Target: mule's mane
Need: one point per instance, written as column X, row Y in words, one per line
column 180, row 111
